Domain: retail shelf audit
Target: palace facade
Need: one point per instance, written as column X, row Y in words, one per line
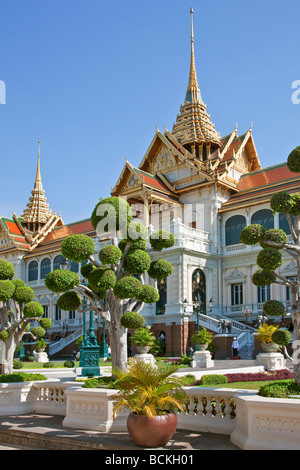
column 204, row 188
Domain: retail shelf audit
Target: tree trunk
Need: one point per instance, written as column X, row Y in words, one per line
column 117, row 334
column 296, row 355
column 8, row 356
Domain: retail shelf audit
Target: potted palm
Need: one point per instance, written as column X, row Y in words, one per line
column 152, row 395
column 202, row 339
column 264, row 335
column 143, row 339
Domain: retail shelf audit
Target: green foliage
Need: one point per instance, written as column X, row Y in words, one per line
column 127, row 288
column 7, row 271
column 293, row 161
column 162, row 239
column 38, row 331
column 269, row 259
column 281, row 389
column 213, row 379
column 18, row 283
column 281, row 337
column 274, row 235
column 273, row 308
column 202, row 337
column 263, row 278
column 69, row 363
column 295, row 210
column 252, row 234
column 139, row 244
column 119, row 216
column 137, row 231
column 137, row 261
column 49, row 365
column 45, row 323
column 132, row 320
column 41, row 344
column 4, row 335
column 21, row 377
column 87, row 269
column 23, row 295
column 78, row 247
column 100, row 382
column 102, row 279
column 18, row 364
column 265, row 332
column 7, row 290
column 148, row 294
column 160, row 269
column 110, row 254
column 69, row 301
column 148, row 390
column 188, row 379
column 33, row 309
column 143, row 337
column 281, row 202
column 61, row 280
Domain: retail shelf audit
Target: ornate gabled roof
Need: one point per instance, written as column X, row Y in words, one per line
column 193, row 124
column 37, row 210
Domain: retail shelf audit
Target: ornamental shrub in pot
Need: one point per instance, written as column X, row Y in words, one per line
column 152, row 395
column 202, row 339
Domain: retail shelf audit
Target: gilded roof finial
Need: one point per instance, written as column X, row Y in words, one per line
column 193, row 91
column 38, row 179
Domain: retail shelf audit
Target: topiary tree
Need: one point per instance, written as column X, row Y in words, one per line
column 17, row 311
column 270, row 258
column 115, row 276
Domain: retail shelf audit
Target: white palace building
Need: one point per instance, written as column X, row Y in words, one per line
column 203, row 187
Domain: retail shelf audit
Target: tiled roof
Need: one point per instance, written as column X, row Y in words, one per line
column 259, row 186
column 15, row 233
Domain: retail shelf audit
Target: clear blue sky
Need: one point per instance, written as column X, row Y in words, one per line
column 92, row 79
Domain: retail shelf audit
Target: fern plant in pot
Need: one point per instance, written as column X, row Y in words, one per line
column 152, row 395
column 143, row 339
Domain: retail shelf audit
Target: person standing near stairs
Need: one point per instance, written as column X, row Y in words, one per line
column 235, row 347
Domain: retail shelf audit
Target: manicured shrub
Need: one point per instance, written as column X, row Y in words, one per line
column 213, row 379
column 282, row 374
column 38, row 331
column 110, row 254
column 137, row 261
column 4, row 335
column 7, row 271
column 188, row 379
column 69, row 301
column 69, row 363
column 78, row 247
column 102, row 279
column 273, row 308
column 160, row 269
column 252, row 234
column 293, row 161
column 279, row 389
column 274, row 235
column 48, row 365
column 18, row 364
column 127, row 288
column 7, row 290
column 23, row 295
column 281, row 202
column 86, row 269
column 33, row 309
column 116, row 215
column 263, row 278
column 162, row 239
column 148, row 294
column 281, row 337
column 21, row 377
column 269, row 259
column 45, row 323
column 61, row 280
column 100, row 382
column 132, row 320
column 295, row 210
column 137, row 231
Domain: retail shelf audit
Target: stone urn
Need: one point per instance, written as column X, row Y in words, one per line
column 269, row 347
column 202, row 346
column 143, row 349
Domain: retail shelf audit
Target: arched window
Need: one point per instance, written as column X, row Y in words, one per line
column 263, row 217
column 57, row 261
column 74, row 267
column 199, row 289
column 161, row 303
column 283, row 223
column 45, row 267
column 33, row 271
column 233, row 227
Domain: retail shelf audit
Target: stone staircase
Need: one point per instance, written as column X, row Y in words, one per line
column 58, row 346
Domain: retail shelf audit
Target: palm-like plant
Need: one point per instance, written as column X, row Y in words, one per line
column 265, row 333
column 147, row 390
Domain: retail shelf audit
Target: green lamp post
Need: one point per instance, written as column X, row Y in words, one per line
column 103, row 344
column 90, row 350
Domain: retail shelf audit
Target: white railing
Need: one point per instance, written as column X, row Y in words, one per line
column 50, row 397
column 63, row 342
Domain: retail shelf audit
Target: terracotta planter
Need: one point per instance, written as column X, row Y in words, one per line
column 269, row 347
column 151, row 432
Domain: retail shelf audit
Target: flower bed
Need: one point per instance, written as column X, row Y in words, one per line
column 283, row 374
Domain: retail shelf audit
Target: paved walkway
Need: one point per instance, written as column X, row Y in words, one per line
column 35, row 431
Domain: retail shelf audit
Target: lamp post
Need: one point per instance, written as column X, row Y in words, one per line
column 103, row 345
column 247, row 313
column 90, row 350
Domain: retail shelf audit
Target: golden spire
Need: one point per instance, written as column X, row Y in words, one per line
column 193, row 124
column 193, row 90
column 37, row 212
